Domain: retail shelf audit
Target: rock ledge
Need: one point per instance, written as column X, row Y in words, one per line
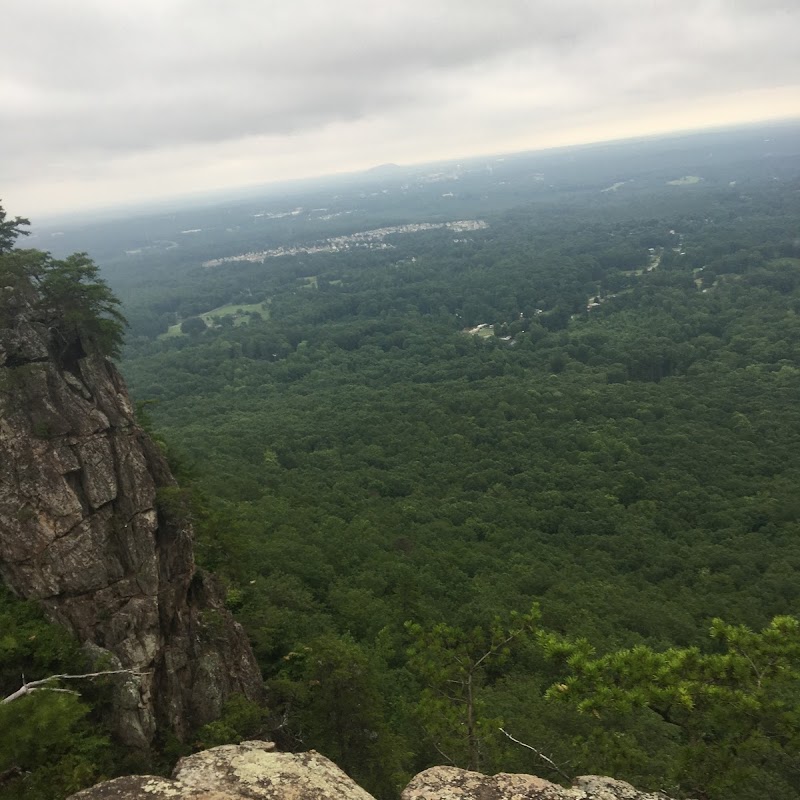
column 253, row 771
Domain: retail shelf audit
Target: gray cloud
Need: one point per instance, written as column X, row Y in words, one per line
column 98, row 82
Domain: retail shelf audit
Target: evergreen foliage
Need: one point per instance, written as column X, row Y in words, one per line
column 329, row 696
column 453, row 665
column 50, row 743
column 734, row 710
column 67, row 293
column 11, row 230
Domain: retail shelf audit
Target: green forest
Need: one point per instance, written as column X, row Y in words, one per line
column 536, row 481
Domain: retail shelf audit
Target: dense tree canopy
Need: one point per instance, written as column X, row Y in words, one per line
column 363, row 462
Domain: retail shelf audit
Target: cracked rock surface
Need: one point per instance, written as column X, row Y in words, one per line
column 83, row 533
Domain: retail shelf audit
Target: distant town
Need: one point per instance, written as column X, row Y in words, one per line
column 373, row 239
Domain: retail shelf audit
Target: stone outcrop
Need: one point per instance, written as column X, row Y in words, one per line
column 450, row 783
column 252, row 771
column 248, row 771
column 86, row 530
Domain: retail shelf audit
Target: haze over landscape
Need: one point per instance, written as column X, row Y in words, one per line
column 108, row 103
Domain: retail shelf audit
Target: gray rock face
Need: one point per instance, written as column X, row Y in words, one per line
column 252, row 771
column 450, row 783
column 83, row 531
column 248, row 771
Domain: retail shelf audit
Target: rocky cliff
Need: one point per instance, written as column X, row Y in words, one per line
column 83, row 531
column 251, row 771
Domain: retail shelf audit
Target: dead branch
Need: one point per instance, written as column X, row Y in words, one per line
column 541, row 755
column 443, row 754
column 29, row 687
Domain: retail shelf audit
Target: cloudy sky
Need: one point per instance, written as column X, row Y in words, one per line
column 104, row 102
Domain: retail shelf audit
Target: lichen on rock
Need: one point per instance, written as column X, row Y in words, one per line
column 248, row 771
column 451, row 783
column 253, row 771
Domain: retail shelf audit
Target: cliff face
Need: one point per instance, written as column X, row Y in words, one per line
column 82, row 532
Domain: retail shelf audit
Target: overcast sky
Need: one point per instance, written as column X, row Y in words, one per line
column 105, row 102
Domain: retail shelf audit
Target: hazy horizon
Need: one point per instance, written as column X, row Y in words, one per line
column 106, row 105
column 234, row 193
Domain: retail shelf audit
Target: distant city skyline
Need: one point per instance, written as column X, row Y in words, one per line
column 105, row 104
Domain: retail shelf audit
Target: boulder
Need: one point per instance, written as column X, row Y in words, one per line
column 247, row 771
column 451, row 783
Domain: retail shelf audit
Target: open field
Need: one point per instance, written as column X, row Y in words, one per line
column 239, row 312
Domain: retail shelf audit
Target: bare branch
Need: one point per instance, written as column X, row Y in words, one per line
column 53, row 689
column 443, row 754
column 758, row 672
column 28, row 687
column 495, row 647
column 541, row 755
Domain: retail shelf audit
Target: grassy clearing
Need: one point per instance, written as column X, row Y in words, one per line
column 239, row 311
